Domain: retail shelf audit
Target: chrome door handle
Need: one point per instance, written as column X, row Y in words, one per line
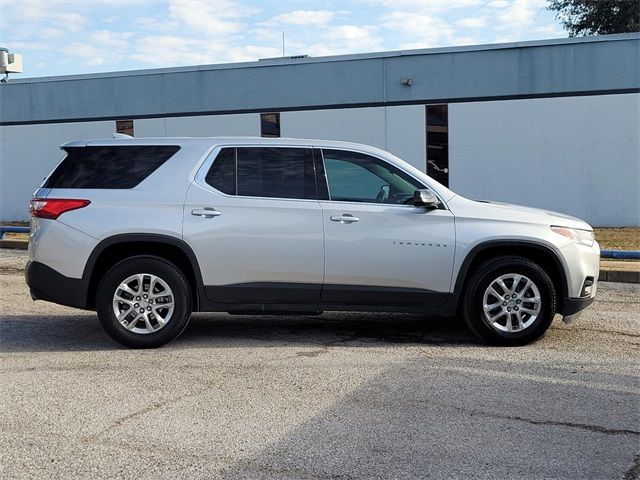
column 206, row 212
column 344, row 218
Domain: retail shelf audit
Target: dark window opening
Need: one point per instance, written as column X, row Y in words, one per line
column 222, row 174
column 276, row 173
column 125, row 126
column 108, row 167
column 437, row 117
column 270, row 124
column 264, row 172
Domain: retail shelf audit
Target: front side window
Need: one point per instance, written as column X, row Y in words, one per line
column 264, row 172
column 356, row 177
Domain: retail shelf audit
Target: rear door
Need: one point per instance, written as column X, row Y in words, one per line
column 253, row 219
column 379, row 248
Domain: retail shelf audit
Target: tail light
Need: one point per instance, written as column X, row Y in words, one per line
column 54, row 207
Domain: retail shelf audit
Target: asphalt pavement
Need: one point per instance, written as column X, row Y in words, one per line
column 336, row 396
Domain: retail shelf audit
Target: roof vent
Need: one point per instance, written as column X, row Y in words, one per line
column 292, row 57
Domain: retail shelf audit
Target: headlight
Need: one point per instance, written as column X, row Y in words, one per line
column 585, row 237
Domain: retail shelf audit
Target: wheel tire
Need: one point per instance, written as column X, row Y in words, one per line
column 179, row 291
column 485, row 277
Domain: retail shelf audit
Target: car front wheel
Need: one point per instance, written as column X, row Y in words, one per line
column 143, row 302
column 509, row 301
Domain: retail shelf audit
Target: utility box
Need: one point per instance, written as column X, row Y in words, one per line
column 10, row 62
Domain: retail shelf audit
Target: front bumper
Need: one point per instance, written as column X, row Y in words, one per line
column 45, row 283
column 581, row 263
column 572, row 307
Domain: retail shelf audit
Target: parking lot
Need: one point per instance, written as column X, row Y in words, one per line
column 340, row 395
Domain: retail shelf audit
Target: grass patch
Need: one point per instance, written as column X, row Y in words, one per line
column 14, row 224
column 627, row 238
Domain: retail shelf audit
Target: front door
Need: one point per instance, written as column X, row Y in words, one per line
column 255, row 225
column 379, row 248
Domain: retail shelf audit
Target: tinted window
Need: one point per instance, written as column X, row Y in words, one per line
column 222, row 174
column 276, row 172
column 355, row 177
column 108, row 167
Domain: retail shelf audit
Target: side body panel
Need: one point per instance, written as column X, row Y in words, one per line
column 391, row 255
column 479, row 224
column 257, row 249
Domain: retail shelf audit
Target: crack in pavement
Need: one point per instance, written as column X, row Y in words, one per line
column 554, row 423
column 633, row 473
column 154, row 406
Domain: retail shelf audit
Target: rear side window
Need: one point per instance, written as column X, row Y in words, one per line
column 264, row 172
column 109, row 167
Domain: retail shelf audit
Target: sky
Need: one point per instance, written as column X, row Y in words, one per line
column 63, row 37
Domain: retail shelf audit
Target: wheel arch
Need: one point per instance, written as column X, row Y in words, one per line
column 539, row 253
column 119, row 247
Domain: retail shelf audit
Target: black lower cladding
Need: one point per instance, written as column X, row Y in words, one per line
column 571, row 306
column 318, row 294
column 45, row 283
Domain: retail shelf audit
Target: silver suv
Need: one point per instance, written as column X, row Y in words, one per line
column 145, row 231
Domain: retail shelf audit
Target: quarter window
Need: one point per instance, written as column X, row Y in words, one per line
column 356, row 177
column 109, row 167
column 222, row 174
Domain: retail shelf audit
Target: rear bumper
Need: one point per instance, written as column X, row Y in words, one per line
column 47, row 284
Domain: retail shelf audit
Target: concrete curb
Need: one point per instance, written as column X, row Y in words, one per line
column 621, row 276
column 14, row 244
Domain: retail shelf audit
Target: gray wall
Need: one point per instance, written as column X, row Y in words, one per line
column 400, row 130
column 577, row 155
column 200, row 126
column 29, row 152
column 554, row 67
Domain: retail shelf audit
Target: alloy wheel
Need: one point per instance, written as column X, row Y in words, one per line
column 511, row 303
column 143, row 303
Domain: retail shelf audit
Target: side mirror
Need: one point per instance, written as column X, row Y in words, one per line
column 425, row 199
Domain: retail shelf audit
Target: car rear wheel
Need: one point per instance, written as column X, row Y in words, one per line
column 144, row 302
column 509, row 301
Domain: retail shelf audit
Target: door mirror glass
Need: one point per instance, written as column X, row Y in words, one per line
column 425, row 199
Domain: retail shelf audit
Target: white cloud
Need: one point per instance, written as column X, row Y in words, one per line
column 472, row 22
column 213, row 17
column 344, row 39
column 498, row 4
column 429, row 6
column 187, row 32
column 520, row 12
column 303, row 18
column 92, row 55
column 171, row 50
column 421, row 30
